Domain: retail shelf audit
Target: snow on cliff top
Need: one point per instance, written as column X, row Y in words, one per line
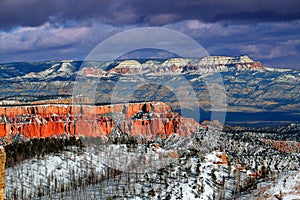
column 175, row 61
column 128, row 63
column 222, row 60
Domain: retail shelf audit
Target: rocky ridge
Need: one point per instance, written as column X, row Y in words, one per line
column 148, row 118
column 2, row 172
column 179, row 65
column 249, row 86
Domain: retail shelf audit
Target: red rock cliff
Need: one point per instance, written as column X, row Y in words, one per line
column 136, row 119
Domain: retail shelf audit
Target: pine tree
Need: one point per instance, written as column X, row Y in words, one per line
column 142, row 193
column 151, row 192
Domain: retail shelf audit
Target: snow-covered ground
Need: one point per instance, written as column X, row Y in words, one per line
column 74, row 167
column 50, row 173
column 285, row 186
column 54, row 176
column 209, row 165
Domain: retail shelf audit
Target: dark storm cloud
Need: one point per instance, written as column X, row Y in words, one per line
column 266, row 30
column 118, row 12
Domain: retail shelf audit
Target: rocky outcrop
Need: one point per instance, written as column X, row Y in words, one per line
column 127, row 66
column 223, row 63
column 2, row 172
column 284, row 146
column 148, row 118
column 179, row 65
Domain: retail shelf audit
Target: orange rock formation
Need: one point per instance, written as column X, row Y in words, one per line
column 88, row 120
column 2, row 172
column 284, row 146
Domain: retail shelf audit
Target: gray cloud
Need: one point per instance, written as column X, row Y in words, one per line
column 121, row 12
column 265, row 42
column 275, row 44
column 52, row 42
column 61, row 29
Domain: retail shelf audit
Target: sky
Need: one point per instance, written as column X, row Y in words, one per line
column 37, row 30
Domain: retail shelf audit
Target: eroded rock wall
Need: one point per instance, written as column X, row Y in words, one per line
column 2, row 172
column 88, row 120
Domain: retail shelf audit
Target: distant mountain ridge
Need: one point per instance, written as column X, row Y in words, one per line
column 208, row 64
column 250, row 87
column 67, row 68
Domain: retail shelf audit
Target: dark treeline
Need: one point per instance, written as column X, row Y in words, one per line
column 17, row 152
column 21, row 150
column 288, row 129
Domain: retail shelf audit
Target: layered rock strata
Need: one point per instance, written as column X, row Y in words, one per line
column 149, row 118
column 2, row 172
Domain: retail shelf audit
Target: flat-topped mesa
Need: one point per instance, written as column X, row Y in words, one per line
column 88, row 120
column 225, row 60
column 223, row 63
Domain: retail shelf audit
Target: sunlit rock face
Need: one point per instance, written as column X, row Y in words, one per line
column 2, row 172
column 148, row 118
